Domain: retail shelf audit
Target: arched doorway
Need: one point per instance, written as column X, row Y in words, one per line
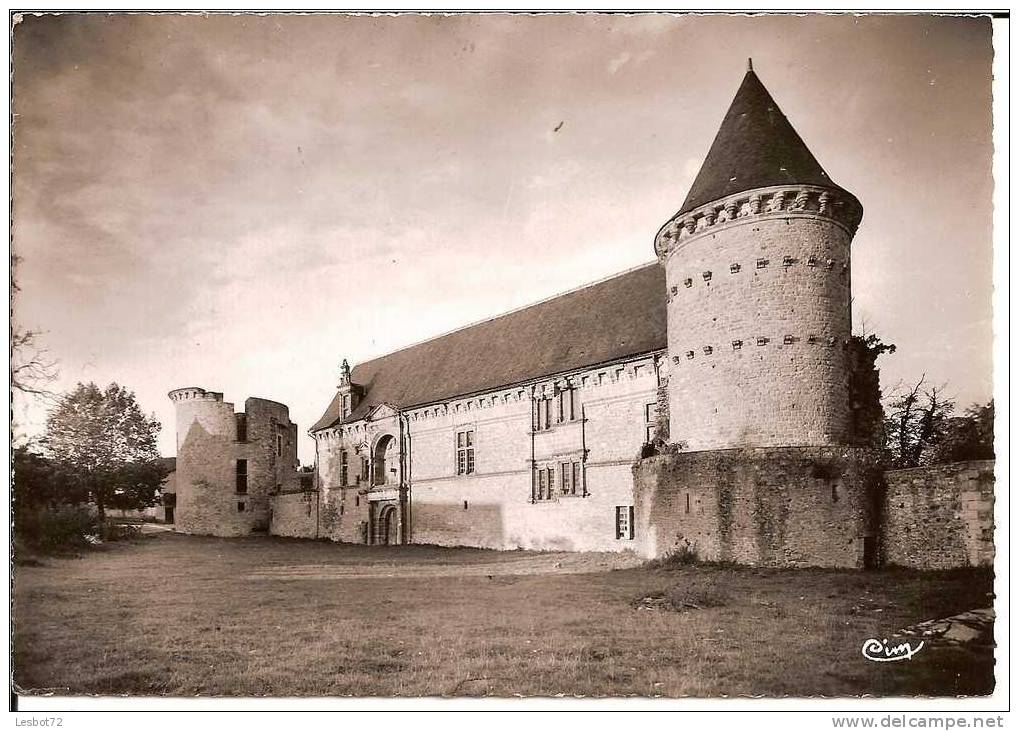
column 389, row 526
column 386, row 462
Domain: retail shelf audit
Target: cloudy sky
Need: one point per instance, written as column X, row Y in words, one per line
column 239, row 202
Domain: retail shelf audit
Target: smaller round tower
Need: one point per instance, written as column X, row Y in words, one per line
column 758, row 286
column 208, row 498
column 206, row 408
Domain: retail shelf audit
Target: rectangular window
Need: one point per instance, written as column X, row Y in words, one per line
column 279, row 445
column 242, row 477
column 465, row 452
column 571, row 398
column 650, row 422
column 548, row 411
column 364, row 469
column 624, row 522
column 578, row 477
column 541, row 485
column 343, row 467
column 566, row 478
column 561, row 407
column 242, row 427
column 688, row 502
column 240, row 507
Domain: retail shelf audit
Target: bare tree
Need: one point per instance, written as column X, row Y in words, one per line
column 31, row 368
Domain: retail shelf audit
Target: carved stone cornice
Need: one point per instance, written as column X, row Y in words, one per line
column 807, row 201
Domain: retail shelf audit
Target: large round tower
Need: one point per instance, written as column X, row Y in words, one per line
column 758, row 288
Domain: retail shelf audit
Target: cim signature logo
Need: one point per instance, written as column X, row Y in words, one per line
column 881, row 651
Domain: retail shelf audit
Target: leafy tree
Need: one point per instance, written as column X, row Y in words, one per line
column 35, row 480
column 105, row 446
column 970, row 436
column 865, row 389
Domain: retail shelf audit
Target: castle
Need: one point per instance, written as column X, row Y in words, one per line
column 703, row 402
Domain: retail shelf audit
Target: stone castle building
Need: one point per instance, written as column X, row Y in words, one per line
column 230, row 465
column 703, row 402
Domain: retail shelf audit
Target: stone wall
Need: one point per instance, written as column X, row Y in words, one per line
column 758, row 326
column 939, row 517
column 295, row 514
column 793, row 506
column 208, row 500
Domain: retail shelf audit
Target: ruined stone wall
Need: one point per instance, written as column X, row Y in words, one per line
column 294, row 514
column 939, row 517
column 758, row 326
column 793, row 506
column 208, row 500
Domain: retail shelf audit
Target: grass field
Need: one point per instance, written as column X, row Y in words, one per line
column 178, row 615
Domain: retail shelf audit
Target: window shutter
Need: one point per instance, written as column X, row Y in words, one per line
column 630, row 522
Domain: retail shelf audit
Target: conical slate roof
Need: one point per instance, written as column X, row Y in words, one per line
column 755, row 147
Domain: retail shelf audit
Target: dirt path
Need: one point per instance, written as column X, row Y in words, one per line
column 556, row 563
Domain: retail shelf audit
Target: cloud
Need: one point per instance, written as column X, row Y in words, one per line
column 618, row 62
column 240, row 201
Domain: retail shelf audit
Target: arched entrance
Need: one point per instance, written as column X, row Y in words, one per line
column 385, row 513
column 389, row 526
column 386, row 462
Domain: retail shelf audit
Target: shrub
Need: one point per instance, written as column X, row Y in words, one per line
column 682, row 555
column 54, row 529
column 114, row 531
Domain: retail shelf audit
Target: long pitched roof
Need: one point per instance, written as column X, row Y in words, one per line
column 612, row 319
column 755, row 147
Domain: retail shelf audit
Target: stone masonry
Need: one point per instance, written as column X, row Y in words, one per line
column 713, row 403
column 759, row 323
column 939, row 517
column 789, row 506
column 495, row 506
column 215, row 447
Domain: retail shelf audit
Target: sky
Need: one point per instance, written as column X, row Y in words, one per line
column 239, row 202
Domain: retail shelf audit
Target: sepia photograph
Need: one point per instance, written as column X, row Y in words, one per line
column 558, row 355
